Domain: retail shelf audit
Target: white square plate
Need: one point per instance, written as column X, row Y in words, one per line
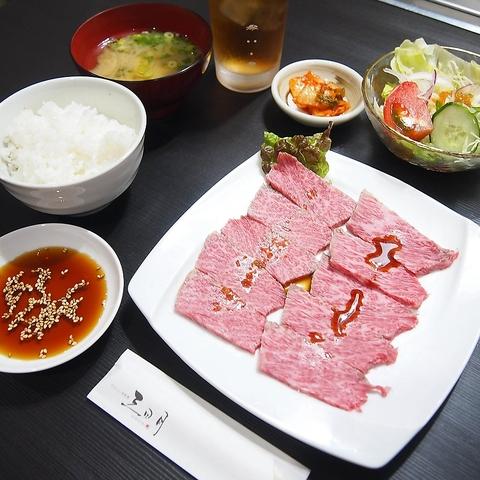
column 430, row 359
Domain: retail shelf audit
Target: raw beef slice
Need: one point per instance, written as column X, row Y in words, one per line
column 276, row 211
column 310, row 192
column 271, row 207
column 245, row 235
column 348, row 253
column 286, row 356
column 384, row 315
column 271, row 247
column 418, row 254
column 286, row 260
column 241, row 273
column 220, row 310
column 354, row 342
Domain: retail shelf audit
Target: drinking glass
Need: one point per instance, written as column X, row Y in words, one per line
column 247, row 41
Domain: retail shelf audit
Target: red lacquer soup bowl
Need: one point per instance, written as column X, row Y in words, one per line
column 160, row 95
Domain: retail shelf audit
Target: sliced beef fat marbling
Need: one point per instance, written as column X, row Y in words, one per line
column 220, row 310
column 418, row 253
column 274, row 210
column 273, row 247
column 241, row 273
column 348, row 254
column 288, row 357
column 245, row 235
column 310, row 192
column 385, row 316
column 346, row 338
column 271, row 207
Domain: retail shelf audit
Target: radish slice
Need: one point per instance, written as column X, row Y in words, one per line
column 428, row 92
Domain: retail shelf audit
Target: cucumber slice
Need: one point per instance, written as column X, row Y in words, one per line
column 455, row 129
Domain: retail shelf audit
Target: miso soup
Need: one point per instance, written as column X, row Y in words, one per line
column 145, row 55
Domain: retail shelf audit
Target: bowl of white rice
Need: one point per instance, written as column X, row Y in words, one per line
column 70, row 146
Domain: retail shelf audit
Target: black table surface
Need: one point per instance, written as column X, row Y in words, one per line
column 48, row 428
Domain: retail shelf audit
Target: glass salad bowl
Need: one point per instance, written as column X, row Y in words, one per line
column 417, row 153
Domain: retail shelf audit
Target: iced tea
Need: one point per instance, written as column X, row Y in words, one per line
column 247, row 41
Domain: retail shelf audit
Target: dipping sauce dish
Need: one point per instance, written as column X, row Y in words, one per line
column 60, row 239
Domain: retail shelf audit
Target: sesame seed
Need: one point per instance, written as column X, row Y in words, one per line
column 41, row 311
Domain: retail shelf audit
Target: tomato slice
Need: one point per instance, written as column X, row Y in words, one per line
column 406, row 112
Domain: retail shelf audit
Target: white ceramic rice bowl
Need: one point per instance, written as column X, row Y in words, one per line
column 91, row 193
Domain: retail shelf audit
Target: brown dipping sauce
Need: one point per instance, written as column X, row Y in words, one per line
column 69, row 269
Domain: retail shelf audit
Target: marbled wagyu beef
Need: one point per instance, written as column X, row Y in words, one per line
column 241, row 273
column 385, row 316
column 347, row 338
column 274, row 210
column 245, row 235
column 271, row 207
column 348, row 254
column 310, row 192
column 364, row 288
column 418, row 253
column 220, row 310
column 286, row 356
column 272, row 247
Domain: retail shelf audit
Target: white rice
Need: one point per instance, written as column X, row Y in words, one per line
column 55, row 145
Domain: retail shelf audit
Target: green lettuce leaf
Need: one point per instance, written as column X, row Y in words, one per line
column 309, row 150
column 415, row 56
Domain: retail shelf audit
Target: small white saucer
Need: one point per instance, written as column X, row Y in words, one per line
column 328, row 71
column 30, row 238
